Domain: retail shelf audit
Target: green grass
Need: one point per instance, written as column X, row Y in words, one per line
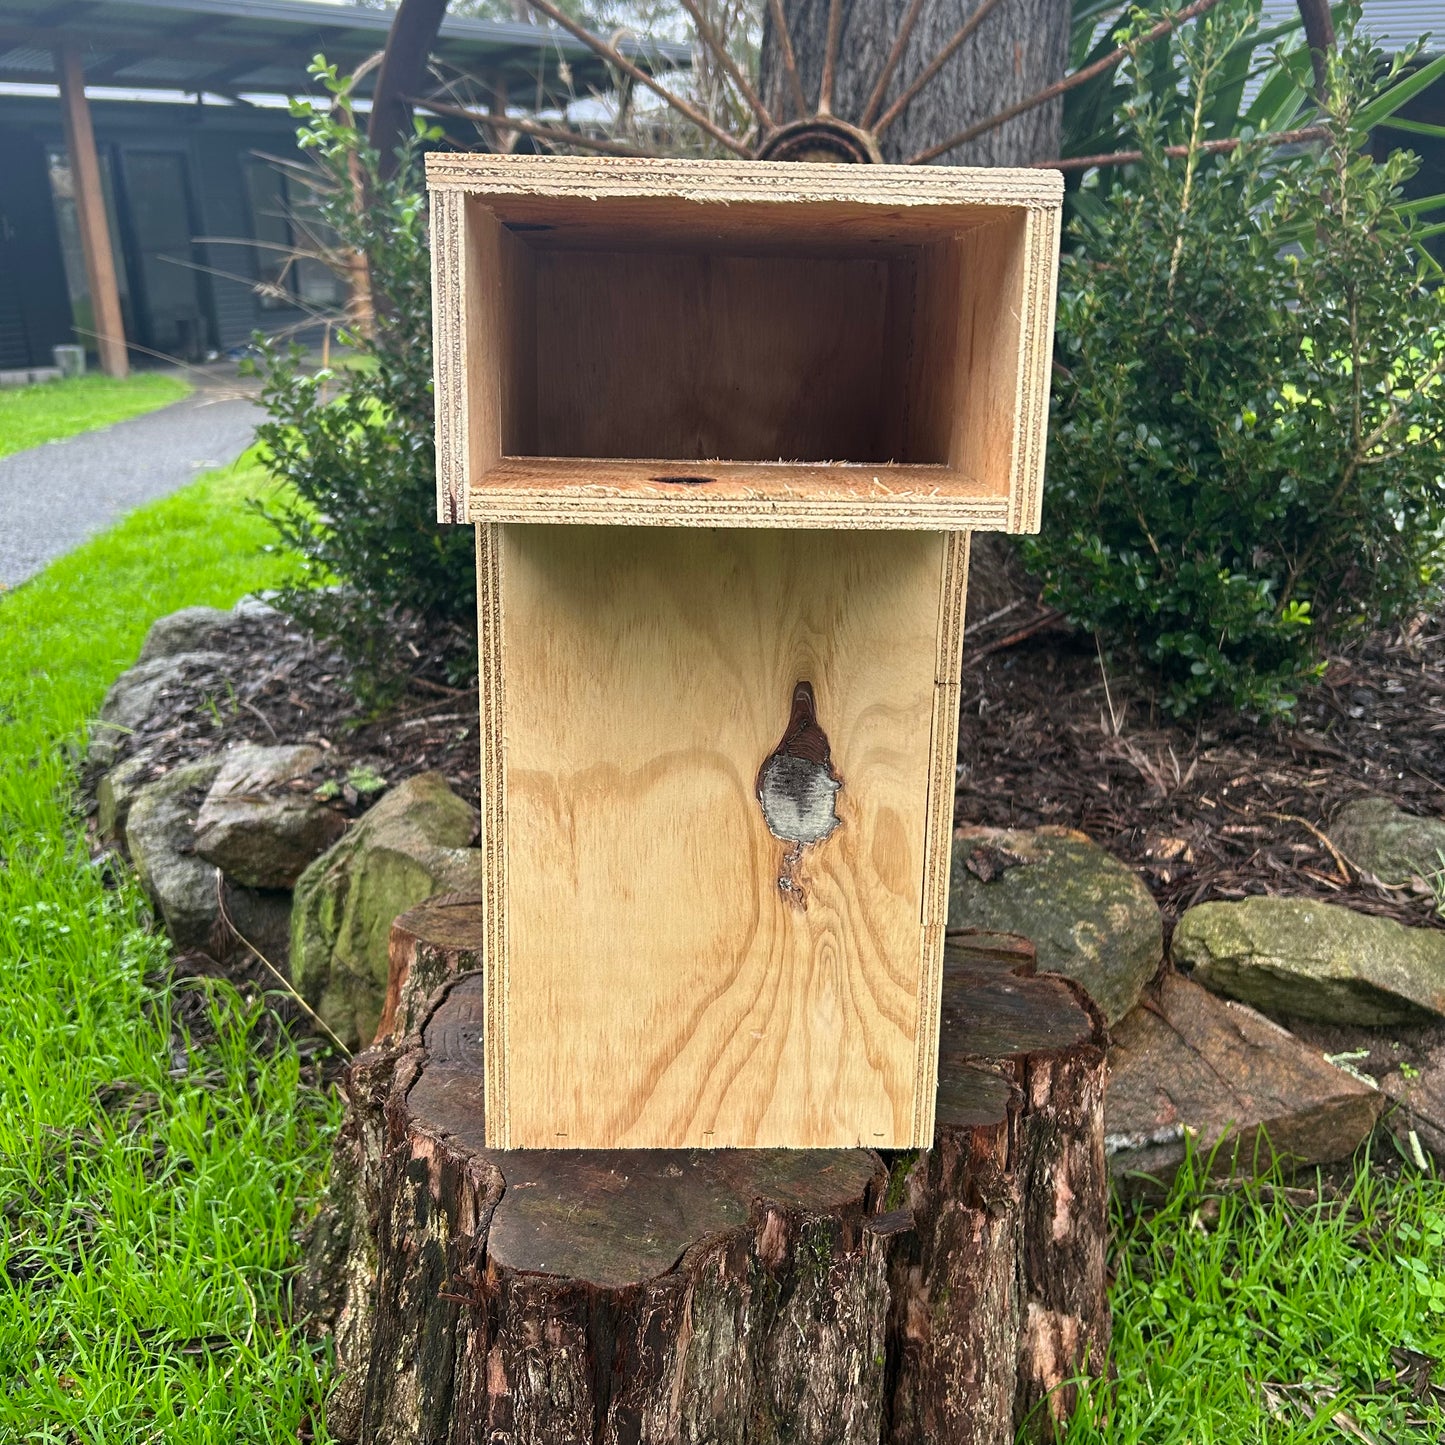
column 50, row 410
column 1265, row 1315
column 150, row 1184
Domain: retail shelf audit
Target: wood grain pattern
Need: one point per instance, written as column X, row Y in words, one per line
column 838, row 495
column 833, row 346
column 661, row 988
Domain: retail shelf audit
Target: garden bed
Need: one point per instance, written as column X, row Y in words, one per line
column 1049, row 735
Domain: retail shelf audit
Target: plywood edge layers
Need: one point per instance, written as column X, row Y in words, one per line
column 448, row 371
column 938, row 836
column 728, row 182
column 583, row 503
column 495, row 972
column 1041, row 251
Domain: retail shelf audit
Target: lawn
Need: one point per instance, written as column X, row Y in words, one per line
column 50, row 410
column 150, row 1183
column 1287, row 1315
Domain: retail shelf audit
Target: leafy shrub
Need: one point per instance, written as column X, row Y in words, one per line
column 355, row 440
column 1246, row 454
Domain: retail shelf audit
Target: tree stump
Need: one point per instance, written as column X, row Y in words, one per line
column 732, row 1297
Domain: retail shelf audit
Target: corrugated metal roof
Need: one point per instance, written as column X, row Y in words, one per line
column 1393, row 25
column 211, row 44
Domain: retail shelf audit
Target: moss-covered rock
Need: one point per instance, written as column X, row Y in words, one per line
column 414, row 843
column 189, row 630
column 115, row 793
column 1301, row 958
column 1396, row 847
column 1088, row 915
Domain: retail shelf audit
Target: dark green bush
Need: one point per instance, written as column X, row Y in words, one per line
column 354, row 440
column 1246, row 453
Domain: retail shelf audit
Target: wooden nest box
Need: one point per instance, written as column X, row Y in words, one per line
column 723, row 429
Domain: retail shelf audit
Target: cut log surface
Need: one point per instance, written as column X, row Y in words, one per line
column 728, row 1297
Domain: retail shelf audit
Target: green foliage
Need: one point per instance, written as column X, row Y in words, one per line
column 1246, row 456
column 51, row 410
column 355, row 441
column 154, row 1162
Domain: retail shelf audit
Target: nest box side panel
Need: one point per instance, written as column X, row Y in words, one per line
column 728, row 769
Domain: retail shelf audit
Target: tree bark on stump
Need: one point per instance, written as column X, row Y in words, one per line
column 731, row 1297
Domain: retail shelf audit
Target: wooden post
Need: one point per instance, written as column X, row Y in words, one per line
column 90, row 216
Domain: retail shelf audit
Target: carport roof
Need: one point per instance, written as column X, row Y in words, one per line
column 231, row 47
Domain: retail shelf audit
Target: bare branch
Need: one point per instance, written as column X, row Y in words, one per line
column 1208, row 147
column 900, row 44
column 790, row 61
column 1069, row 82
column 556, row 134
column 711, row 39
column 830, row 57
column 614, row 57
column 935, row 65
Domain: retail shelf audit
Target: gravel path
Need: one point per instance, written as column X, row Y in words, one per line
column 55, row 496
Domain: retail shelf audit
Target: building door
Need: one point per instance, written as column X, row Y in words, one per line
column 34, row 305
column 168, row 291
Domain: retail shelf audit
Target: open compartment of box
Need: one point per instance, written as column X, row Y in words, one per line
column 712, row 354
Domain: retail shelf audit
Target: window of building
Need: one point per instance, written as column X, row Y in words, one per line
column 292, row 243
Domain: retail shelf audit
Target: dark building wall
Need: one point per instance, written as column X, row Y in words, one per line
column 146, row 149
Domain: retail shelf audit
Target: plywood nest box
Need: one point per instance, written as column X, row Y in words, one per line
column 723, row 429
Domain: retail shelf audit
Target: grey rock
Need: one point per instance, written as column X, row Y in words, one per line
column 1188, row 1065
column 1396, row 847
column 134, row 695
column 1088, row 915
column 1297, row 957
column 255, row 607
column 189, row 630
column 158, row 837
column 413, row 844
column 116, row 792
column 257, row 828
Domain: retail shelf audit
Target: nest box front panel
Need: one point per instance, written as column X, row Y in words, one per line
column 720, row 824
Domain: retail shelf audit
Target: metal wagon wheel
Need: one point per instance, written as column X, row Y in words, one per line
column 807, row 128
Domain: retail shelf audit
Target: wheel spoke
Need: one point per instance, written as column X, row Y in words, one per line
column 1060, row 87
column 900, row 44
column 710, row 38
column 790, row 61
column 830, row 57
column 614, row 57
column 935, row 65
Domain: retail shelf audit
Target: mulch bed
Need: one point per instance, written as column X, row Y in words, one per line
column 1214, row 809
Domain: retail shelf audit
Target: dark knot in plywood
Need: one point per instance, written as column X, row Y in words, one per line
column 798, row 789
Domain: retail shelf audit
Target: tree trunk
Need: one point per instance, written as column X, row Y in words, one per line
column 730, row 1297
column 1017, row 50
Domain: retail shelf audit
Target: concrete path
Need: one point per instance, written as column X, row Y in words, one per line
column 55, row 496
